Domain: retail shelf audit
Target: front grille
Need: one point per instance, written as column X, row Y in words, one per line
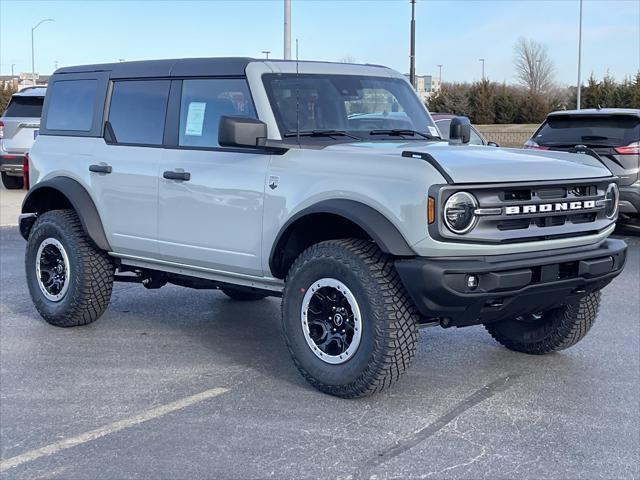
column 534, row 211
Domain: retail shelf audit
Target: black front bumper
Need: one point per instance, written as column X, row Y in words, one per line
column 507, row 285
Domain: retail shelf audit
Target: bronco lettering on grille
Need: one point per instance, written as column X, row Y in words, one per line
column 550, row 207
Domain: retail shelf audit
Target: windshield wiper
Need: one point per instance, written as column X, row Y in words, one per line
column 321, row 133
column 401, row 132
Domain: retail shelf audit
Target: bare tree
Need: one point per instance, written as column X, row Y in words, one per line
column 534, row 67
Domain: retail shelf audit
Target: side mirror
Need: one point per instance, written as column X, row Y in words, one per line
column 492, row 144
column 242, row 132
column 459, row 131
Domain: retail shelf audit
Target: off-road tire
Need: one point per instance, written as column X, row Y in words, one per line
column 242, row 294
column 91, row 271
column 556, row 330
column 11, row 182
column 389, row 318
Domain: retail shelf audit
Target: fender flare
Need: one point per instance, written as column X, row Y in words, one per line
column 79, row 199
column 376, row 225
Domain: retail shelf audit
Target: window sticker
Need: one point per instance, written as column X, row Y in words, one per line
column 195, row 119
column 433, row 131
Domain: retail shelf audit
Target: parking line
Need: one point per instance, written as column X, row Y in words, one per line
column 110, row 428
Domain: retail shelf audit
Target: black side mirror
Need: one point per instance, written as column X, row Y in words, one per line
column 241, row 132
column 459, row 131
column 492, row 144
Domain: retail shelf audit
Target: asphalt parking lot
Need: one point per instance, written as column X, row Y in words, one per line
column 179, row 383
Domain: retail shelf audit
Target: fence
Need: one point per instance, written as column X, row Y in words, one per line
column 507, row 135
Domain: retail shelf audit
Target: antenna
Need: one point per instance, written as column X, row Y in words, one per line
column 297, row 96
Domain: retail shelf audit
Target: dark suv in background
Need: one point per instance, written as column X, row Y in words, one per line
column 612, row 133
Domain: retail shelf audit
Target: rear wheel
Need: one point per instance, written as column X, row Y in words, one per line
column 11, row 182
column 349, row 325
column 69, row 278
column 242, row 294
column 550, row 331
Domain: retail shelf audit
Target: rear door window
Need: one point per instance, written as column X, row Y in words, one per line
column 138, row 110
column 592, row 131
column 72, row 105
column 25, row 107
column 202, row 104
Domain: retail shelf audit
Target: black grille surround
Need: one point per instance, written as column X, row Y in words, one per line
column 495, row 225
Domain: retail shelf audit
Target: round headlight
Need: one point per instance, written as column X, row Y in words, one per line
column 611, row 200
column 459, row 212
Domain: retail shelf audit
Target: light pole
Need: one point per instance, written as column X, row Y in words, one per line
column 266, row 52
column 482, row 60
column 287, row 29
column 412, row 50
column 440, row 73
column 579, row 55
column 33, row 61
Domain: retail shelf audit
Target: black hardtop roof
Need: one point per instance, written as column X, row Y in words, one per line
column 179, row 67
column 231, row 66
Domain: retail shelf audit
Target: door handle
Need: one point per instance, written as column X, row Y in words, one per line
column 173, row 175
column 100, row 168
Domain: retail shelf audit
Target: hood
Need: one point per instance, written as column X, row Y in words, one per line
column 479, row 164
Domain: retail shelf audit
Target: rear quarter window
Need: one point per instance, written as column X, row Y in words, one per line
column 71, row 105
column 25, row 107
column 607, row 131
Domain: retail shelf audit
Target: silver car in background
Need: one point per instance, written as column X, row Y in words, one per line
column 19, row 127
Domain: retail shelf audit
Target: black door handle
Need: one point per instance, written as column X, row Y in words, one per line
column 100, row 168
column 173, row 175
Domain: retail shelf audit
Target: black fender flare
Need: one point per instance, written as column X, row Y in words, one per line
column 79, row 199
column 376, row 225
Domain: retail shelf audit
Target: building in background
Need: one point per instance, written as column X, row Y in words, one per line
column 24, row 80
column 426, row 85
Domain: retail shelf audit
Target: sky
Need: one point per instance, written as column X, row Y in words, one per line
column 455, row 33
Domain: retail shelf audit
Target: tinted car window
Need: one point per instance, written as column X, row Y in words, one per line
column 614, row 131
column 138, row 110
column 72, row 105
column 25, row 107
column 204, row 102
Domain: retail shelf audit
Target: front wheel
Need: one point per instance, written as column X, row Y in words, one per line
column 550, row 331
column 69, row 278
column 349, row 325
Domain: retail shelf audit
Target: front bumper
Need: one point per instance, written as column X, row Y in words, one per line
column 507, row 285
column 11, row 164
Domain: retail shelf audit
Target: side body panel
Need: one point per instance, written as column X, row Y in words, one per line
column 214, row 220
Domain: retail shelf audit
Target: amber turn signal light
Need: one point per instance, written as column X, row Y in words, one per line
column 431, row 210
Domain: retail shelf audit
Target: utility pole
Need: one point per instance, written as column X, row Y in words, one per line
column 33, row 61
column 412, row 50
column 440, row 73
column 579, row 56
column 482, row 60
column 287, row 29
column 266, row 52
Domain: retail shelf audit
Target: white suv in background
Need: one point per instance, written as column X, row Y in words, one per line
column 19, row 127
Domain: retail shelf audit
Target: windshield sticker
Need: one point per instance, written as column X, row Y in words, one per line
column 195, row 119
column 434, row 131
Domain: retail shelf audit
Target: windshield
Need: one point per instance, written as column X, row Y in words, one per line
column 614, row 130
column 371, row 108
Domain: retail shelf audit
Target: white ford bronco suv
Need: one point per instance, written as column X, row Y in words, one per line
column 326, row 184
